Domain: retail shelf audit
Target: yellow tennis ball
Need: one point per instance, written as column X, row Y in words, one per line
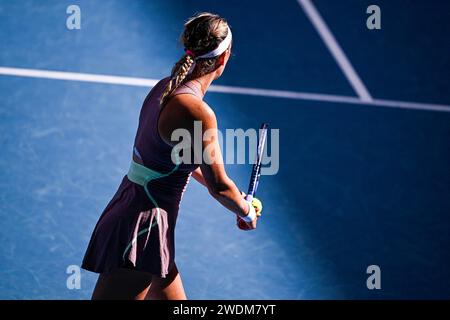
column 257, row 204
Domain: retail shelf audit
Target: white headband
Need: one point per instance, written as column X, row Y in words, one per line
column 217, row 51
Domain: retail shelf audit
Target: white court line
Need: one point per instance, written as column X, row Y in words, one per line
column 144, row 82
column 335, row 49
column 75, row 76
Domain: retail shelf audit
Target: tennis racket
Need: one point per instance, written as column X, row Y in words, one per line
column 256, row 169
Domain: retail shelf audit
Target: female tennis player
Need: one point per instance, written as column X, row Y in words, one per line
column 132, row 246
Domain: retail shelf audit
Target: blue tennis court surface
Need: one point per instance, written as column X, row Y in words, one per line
column 360, row 183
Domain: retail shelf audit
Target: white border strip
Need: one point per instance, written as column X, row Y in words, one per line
column 335, row 49
column 144, row 82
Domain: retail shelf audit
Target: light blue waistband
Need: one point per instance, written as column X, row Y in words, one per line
column 142, row 175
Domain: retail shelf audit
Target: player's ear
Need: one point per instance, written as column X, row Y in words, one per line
column 221, row 59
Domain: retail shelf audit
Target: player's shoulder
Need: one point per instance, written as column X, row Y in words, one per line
column 193, row 107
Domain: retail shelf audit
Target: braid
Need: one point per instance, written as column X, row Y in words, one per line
column 179, row 74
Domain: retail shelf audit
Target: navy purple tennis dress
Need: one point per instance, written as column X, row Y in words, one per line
column 137, row 228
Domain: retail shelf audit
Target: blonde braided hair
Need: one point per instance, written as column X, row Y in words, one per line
column 179, row 73
column 202, row 33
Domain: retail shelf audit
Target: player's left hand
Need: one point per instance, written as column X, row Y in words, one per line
column 257, row 204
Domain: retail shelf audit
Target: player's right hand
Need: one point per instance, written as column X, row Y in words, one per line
column 242, row 224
